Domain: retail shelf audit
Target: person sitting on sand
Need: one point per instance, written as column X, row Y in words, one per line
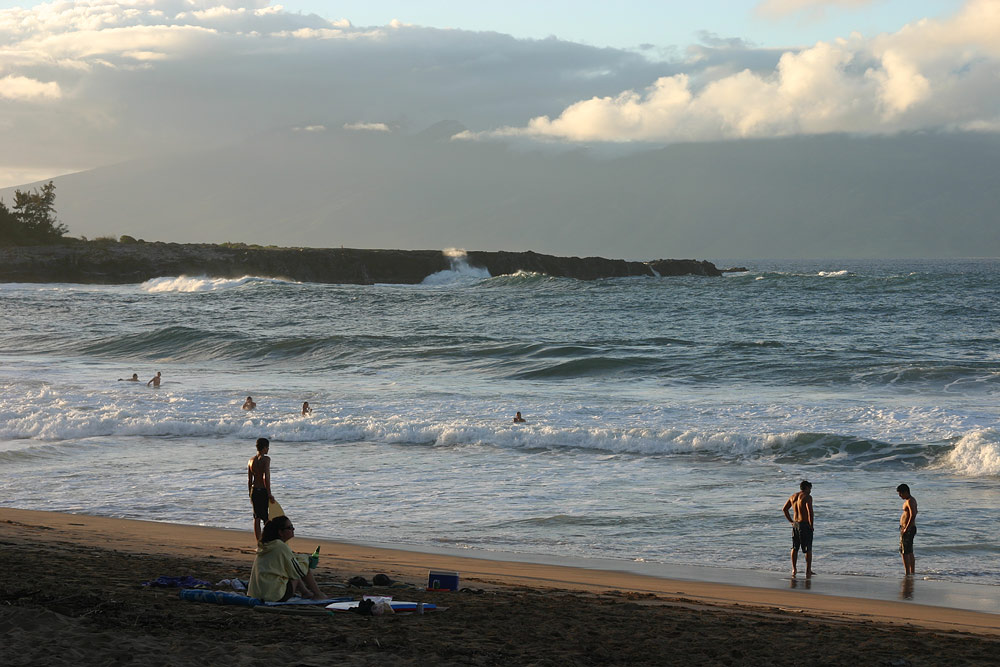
column 306, row 410
column 802, row 525
column 277, row 572
column 518, row 419
column 249, row 404
column 134, row 378
column 155, row 381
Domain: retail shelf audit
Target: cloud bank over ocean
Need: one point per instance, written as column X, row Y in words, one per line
column 94, row 82
column 868, row 145
column 91, row 83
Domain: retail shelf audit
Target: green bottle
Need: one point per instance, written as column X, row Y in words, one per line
column 314, row 559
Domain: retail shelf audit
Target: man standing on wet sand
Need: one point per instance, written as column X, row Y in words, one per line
column 259, row 484
column 801, row 504
column 907, row 528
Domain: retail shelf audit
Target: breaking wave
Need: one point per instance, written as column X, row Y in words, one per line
column 31, row 431
column 460, row 272
column 206, row 284
column 976, row 454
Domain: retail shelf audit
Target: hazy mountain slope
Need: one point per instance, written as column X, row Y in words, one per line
column 833, row 196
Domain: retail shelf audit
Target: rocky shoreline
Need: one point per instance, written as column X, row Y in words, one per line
column 97, row 262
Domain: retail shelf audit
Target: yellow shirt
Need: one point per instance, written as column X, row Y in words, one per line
column 273, row 567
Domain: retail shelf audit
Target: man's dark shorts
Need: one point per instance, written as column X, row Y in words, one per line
column 259, row 499
column 906, row 540
column 802, row 536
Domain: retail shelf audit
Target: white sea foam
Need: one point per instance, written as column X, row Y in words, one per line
column 834, row 274
column 134, row 415
column 977, row 454
column 203, row 283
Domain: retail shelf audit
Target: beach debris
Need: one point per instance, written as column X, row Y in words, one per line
column 382, row 580
column 359, row 582
column 375, row 605
column 365, row 608
column 235, row 584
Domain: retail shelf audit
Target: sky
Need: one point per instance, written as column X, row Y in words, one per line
column 91, row 83
column 630, row 24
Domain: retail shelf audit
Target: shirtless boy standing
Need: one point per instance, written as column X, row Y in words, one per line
column 801, row 504
column 907, row 528
column 259, row 484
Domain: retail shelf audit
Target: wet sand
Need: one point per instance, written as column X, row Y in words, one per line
column 71, row 593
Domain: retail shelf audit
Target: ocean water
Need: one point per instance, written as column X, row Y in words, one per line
column 667, row 418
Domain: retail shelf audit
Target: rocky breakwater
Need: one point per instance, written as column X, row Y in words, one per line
column 118, row 263
column 586, row 268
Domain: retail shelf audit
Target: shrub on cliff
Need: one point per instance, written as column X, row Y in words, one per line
column 31, row 220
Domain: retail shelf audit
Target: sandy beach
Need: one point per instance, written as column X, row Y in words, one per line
column 72, row 594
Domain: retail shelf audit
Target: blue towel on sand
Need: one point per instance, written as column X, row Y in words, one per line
column 218, row 597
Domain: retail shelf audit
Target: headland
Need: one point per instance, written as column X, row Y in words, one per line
column 102, row 262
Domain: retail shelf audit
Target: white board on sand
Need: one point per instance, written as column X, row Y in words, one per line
column 396, row 606
column 274, row 510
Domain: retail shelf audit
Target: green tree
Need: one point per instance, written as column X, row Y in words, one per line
column 10, row 228
column 32, row 218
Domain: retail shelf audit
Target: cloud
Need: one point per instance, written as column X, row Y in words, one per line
column 95, row 82
column 369, row 127
column 121, row 42
column 121, row 80
column 713, row 40
column 929, row 74
column 782, row 8
column 23, row 88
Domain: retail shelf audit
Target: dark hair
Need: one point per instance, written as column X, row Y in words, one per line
column 806, row 484
column 903, row 488
column 273, row 527
column 262, row 443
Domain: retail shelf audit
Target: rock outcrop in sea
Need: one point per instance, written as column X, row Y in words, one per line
column 99, row 262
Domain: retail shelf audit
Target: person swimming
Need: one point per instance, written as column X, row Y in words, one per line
column 306, row 410
column 134, row 378
column 155, row 382
column 518, row 419
column 249, row 404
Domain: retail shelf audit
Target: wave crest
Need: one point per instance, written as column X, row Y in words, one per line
column 205, row 284
column 975, row 454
